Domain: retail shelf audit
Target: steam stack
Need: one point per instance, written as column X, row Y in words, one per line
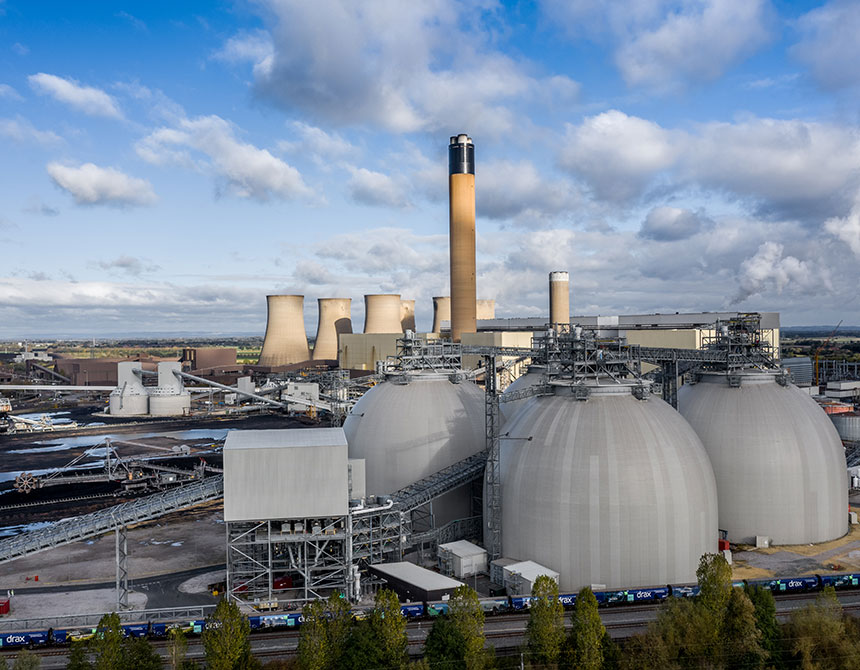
column 461, row 190
column 441, row 311
column 407, row 315
column 559, row 298
column 485, row 309
column 334, row 319
column 286, row 341
column 382, row 313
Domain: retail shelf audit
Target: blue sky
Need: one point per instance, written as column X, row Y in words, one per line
column 164, row 166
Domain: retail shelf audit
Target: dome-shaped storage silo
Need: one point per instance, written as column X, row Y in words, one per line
column 534, row 375
column 779, row 464
column 612, row 489
column 408, row 431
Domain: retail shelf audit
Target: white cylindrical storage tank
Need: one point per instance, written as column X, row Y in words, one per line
column 130, row 397
column 408, row 431
column 382, row 313
column 441, row 311
column 334, row 319
column 169, row 398
column 407, row 315
column 610, row 490
column 779, row 464
column 286, row 341
column 559, row 298
column 485, row 309
column 847, row 425
column 534, row 375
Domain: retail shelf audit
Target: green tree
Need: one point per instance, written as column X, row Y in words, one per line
column 389, row 626
column 739, row 636
column 107, row 644
column 420, row 664
column 338, row 626
column 139, row 655
column 687, row 632
column 765, row 618
column 363, row 650
column 646, row 651
column 545, row 629
column 611, row 652
column 4, row 664
column 27, row 660
column 313, row 643
column 78, row 659
column 465, row 611
column 586, row 635
column 820, row 638
column 226, row 641
column 445, row 646
column 177, row 648
column 715, row 584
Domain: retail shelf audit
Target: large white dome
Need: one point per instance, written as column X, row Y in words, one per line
column 610, row 490
column 778, row 460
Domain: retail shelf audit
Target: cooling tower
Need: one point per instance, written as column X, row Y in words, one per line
column 559, row 298
column 286, row 341
column 382, row 313
column 461, row 195
column 778, row 460
column 485, row 309
column 407, row 315
column 441, row 311
column 334, row 319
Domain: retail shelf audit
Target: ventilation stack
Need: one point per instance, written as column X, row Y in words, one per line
column 382, row 313
column 334, row 319
column 485, row 309
column 286, row 341
column 559, row 298
column 441, row 311
column 407, row 315
column 461, row 194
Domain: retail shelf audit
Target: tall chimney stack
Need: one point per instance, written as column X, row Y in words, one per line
column 407, row 315
column 334, row 319
column 285, row 342
column 461, row 198
column 441, row 311
column 559, row 298
column 382, row 313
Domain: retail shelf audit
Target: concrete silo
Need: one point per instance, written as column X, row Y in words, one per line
column 130, row 397
column 334, row 319
column 382, row 313
column 286, row 341
column 461, row 201
column 441, row 311
column 485, row 309
column 606, row 485
column 407, row 315
column 169, row 398
column 778, row 460
column 559, row 298
column 413, row 425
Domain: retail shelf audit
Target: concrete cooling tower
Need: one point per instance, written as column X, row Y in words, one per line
column 130, row 397
column 441, row 311
column 409, row 431
column 778, row 460
column 334, row 319
column 609, row 490
column 286, row 341
column 407, row 315
column 461, row 195
column 559, row 298
column 382, row 313
column 485, row 309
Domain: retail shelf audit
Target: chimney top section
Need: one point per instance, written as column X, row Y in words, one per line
column 559, row 276
column 461, row 155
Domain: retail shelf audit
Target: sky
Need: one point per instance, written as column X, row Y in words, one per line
column 165, row 165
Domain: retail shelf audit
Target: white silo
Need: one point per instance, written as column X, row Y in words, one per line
column 412, row 425
column 169, row 398
column 606, row 489
column 778, row 460
column 286, row 341
column 130, row 397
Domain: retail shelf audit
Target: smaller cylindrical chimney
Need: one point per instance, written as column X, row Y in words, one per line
column 334, row 319
column 441, row 311
column 286, row 341
column 382, row 313
column 485, row 309
column 407, row 315
column 559, row 298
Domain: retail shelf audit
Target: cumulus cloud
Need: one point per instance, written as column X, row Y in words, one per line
column 320, row 145
column 21, row 130
column 828, row 44
column 245, row 170
column 847, row 228
column 255, row 47
column 377, row 189
column 668, row 224
column 9, row 93
column 127, row 264
column 516, row 190
column 89, row 100
column 90, row 184
column 768, row 268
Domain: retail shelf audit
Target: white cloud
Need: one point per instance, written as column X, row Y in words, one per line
column 9, row 93
column 322, row 146
column 768, row 268
column 516, row 190
column 246, row 170
column 829, row 45
column 847, row 228
column 255, row 47
column 21, row 130
column 377, row 189
column 129, row 264
column 89, row 100
column 90, row 184
column 671, row 223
